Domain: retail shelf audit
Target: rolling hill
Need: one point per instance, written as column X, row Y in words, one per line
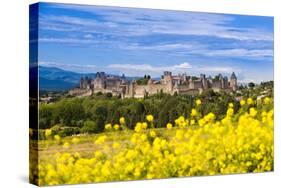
column 56, row 79
column 52, row 78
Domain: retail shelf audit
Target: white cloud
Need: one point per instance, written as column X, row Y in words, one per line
column 88, row 36
column 126, row 28
column 216, row 69
column 141, row 22
column 183, row 66
column 67, row 40
column 239, row 52
column 178, row 49
column 141, row 69
column 163, row 47
column 117, row 26
column 157, row 71
column 195, row 48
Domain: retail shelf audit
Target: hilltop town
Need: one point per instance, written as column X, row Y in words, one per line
column 171, row 84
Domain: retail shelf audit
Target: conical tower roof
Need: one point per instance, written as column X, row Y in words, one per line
column 233, row 76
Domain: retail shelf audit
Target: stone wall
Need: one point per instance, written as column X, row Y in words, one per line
column 81, row 92
column 168, row 84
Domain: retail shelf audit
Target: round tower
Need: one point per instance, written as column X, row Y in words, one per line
column 233, row 82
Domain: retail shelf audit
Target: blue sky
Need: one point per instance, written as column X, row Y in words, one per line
column 146, row 41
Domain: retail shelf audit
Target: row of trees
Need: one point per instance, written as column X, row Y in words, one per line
column 90, row 114
column 72, row 115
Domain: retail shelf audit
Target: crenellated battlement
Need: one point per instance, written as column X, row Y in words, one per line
column 169, row 83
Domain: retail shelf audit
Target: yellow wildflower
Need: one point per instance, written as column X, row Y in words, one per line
column 230, row 112
column 116, row 127
column 242, row 102
column 149, row 118
column 152, row 134
column 108, row 126
column 48, row 132
column 57, row 137
column 253, row 112
column 193, row 112
column 169, row 126
column 122, row 120
column 75, row 140
column 198, row 102
column 250, row 101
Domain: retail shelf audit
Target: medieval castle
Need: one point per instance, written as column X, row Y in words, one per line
column 180, row 84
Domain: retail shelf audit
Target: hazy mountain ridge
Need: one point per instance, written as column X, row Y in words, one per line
column 53, row 78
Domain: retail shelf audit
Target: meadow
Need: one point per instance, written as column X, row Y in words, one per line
column 195, row 144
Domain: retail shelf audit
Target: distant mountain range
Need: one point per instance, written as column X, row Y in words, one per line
column 56, row 79
column 53, row 78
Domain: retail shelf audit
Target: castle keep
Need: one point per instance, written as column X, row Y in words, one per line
column 171, row 84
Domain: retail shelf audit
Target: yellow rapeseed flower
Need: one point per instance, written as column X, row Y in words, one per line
column 66, row 145
column 149, row 118
column 122, row 120
column 229, row 145
column 108, row 126
column 138, row 127
column 101, row 139
column 116, row 127
column 267, row 100
column 198, row 102
column 242, row 102
column 57, row 137
column 152, row 134
column 193, row 112
column 75, row 140
column 192, row 122
column 253, row 112
column 98, row 154
column 201, row 122
column 230, row 112
column 210, row 117
column 116, row 145
column 169, row 126
column 250, row 101
column 143, row 137
column 48, row 132
column 144, row 125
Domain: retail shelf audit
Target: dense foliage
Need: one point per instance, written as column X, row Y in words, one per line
column 99, row 110
column 89, row 114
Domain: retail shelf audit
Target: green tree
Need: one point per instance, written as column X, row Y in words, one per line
column 100, row 115
column 90, row 127
column 251, row 85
